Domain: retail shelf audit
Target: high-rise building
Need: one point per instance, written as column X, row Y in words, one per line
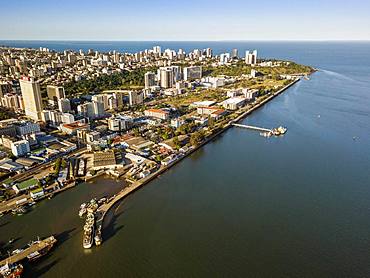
column 5, row 88
column 234, row 53
column 55, row 93
column 135, row 98
column 224, row 58
column 32, row 98
column 251, row 57
column 149, row 79
column 192, row 73
column 64, row 105
column 166, row 77
column 209, row 53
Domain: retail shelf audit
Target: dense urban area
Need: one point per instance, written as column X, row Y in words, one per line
column 68, row 117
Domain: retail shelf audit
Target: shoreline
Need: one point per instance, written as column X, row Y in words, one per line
column 104, row 209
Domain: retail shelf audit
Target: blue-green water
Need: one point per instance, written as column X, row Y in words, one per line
column 244, row 205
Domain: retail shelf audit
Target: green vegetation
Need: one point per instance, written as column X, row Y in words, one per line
column 241, row 68
column 197, row 137
column 6, row 114
column 124, row 80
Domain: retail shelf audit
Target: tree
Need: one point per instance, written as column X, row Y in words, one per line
column 196, row 138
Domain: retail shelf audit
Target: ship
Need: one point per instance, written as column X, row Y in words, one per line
column 11, row 270
column 88, row 237
column 98, row 238
column 38, row 254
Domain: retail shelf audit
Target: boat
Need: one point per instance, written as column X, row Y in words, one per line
column 88, row 236
column 11, row 270
column 51, row 196
column 19, row 210
column 11, row 240
column 266, row 134
column 82, row 212
column 98, row 238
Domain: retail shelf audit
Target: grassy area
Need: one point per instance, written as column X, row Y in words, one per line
column 185, row 100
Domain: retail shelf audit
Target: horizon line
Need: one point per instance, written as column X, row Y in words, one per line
column 232, row 40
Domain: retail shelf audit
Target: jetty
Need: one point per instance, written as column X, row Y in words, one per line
column 37, row 246
column 262, row 129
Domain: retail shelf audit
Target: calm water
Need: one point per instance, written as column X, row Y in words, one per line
column 242, row 206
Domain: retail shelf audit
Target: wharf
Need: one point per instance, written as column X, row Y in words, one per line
column 37, row 246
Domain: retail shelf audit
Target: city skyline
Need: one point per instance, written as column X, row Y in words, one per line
column 196, row 21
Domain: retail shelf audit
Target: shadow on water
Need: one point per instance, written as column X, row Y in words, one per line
column 109, row 228
column 34, row 272
column 4, row 224
column 64, row 236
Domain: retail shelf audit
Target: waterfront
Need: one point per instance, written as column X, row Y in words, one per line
column 296, row 206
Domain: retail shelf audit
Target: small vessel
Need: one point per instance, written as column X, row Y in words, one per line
column 19, row 211
column 11, row 270
column 51, row 196
column 266, row 134
column 11, row 240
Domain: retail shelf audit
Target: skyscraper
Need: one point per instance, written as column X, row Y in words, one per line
column 32, row 98
column 234, row 53
column 192, row 73
column 149, row 78
column 251, row 57
column 55, row 93
column 166, row 77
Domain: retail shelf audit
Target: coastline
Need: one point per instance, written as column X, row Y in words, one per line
column 104, row 209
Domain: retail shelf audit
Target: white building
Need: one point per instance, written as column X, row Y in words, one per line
column 233, row 103
column 251, row 57
column 64, row 105
column 119, row 123
column 20, row 148
column 192, row 73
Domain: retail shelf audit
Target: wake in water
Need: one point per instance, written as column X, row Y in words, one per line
column 337, row 75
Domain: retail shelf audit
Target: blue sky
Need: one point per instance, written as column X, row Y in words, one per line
column 185, row 20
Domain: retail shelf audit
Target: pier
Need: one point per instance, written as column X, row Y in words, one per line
column 36, row 246
column 262, row 129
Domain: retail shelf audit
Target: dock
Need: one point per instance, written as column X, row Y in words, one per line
column 262, row 129
column 36, row 246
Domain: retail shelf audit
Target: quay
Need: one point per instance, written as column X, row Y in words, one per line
column 252, row 127
column 103, row 210
column 36, row 246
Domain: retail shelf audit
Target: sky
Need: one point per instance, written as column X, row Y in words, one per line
column 176, row 20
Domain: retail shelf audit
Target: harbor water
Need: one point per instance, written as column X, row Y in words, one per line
column 243, row 205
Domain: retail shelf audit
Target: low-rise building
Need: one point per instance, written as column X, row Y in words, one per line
column 233, row 103
column 157, row 113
